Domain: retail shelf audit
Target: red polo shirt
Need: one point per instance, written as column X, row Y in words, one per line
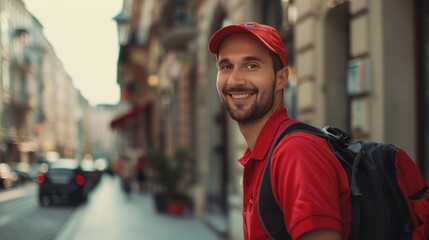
column 307, row 180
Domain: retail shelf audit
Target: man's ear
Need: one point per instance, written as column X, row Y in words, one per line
column 282, row 76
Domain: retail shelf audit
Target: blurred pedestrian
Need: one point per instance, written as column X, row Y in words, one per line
column 308, row 182
column 117, row 165
column 126, row 174
column 141, row 173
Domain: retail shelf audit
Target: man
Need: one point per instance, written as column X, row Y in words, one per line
column 308, row 182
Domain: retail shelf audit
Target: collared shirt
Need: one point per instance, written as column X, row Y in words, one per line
column 308, row 182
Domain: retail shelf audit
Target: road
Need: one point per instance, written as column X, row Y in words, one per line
column 21, row 217
column 108, row 214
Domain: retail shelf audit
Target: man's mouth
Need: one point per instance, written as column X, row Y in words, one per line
column 240, row 95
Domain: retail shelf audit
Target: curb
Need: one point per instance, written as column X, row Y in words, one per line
column 68, row 230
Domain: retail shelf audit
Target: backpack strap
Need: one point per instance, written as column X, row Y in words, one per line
column 270, row 214
column 356, row 196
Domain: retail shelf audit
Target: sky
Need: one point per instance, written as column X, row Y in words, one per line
column 84, row 37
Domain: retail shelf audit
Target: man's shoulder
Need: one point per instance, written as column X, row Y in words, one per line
column 302, row 139
column 304, row 143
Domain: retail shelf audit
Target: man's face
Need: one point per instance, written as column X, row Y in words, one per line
column 245, row 79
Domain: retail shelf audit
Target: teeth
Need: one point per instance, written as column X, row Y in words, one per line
column 240, row 96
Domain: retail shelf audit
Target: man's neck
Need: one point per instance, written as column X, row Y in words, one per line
column 251, row 131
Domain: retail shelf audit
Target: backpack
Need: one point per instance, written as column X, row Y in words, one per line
column 390, row 199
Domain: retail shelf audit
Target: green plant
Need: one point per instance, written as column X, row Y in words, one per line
column 159, row 164
column 168, row 172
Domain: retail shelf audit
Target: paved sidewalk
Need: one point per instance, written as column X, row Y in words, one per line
column 110, row 215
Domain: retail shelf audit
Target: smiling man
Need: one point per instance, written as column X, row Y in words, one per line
column 308, row 182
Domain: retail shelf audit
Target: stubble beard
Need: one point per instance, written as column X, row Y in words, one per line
column 257, row 110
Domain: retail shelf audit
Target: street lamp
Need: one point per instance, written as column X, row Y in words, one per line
column 122, row 20
column 153, row 80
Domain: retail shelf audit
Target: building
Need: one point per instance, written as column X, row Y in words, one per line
column 16, row 82
column 39, row 104
column 136, row 122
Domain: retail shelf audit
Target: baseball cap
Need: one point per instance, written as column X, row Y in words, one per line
column 265, row 34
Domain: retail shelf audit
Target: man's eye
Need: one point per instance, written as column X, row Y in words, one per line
column 225, row 66
column 251, row 66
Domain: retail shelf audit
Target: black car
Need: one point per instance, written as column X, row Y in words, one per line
column 90, row 172
column 63, row 182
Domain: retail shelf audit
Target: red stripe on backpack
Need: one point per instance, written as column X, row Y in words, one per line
column 414, row 188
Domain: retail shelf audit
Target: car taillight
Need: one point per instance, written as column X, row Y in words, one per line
column 40, row 178
column 80, row 180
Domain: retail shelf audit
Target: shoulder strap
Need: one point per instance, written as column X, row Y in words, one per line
column 270, row 214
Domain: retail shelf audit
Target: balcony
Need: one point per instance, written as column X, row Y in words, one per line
column 21, row 105
column 22, row 62
column 175, row 25
column 20, row 101
column 177, row 37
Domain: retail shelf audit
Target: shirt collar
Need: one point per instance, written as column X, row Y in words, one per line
column 266, row 137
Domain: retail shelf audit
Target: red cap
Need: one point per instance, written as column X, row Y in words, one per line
column 267, row 35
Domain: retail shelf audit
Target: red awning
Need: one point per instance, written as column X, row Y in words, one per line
column 128, row 115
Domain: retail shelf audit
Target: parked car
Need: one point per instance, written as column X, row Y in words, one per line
column 63, row 182
column 90, row 172
column 8, row 178
column 25, row 172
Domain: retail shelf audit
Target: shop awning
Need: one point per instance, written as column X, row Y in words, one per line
column 128, row 115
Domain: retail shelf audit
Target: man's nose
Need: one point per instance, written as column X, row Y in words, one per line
column 237, row 77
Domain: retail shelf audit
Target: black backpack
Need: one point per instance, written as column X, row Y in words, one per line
column 382, row 209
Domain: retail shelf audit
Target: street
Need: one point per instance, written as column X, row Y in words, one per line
column 108, row 214
column 21, row 217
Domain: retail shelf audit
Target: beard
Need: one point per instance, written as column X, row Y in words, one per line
column 245, row 114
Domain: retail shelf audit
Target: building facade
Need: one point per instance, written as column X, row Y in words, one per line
column 39, row 105
column 16, row 89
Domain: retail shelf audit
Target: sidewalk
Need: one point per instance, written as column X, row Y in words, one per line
column 110, row 215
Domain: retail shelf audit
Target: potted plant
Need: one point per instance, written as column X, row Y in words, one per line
column 167, row 177
column 158, row 163
column 177, row 199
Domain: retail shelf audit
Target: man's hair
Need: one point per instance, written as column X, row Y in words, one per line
column 277, row 63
